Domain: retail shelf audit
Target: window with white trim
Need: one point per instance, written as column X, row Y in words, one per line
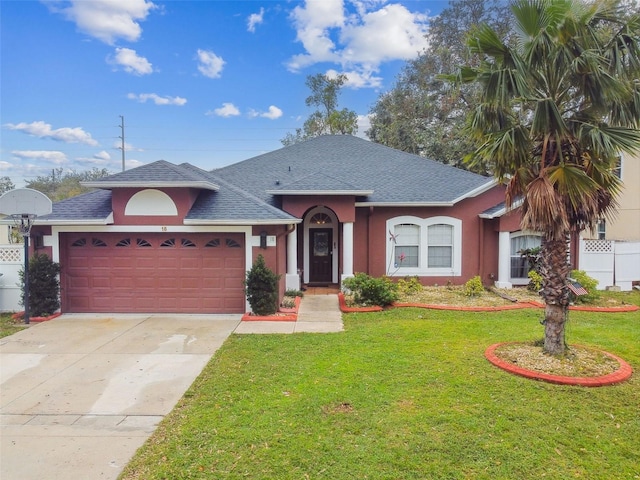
column 519, row 265
column 424, row 246
column 407, row 245
column 440, row 246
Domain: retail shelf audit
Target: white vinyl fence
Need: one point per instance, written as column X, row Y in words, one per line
column 611, row 262
column 11, row 262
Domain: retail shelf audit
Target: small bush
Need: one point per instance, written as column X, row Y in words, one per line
column 474, row 287
column 535, row 281
column 262, row 288
column 371, row 291
column 44, row 286
column 294, row 293
column 409, row 286
column 588, row 283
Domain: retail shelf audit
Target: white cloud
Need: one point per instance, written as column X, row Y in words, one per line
column 359, row 42
column 51, row 156
column 117, row 145
column 226, row 110
column 5, row 165
column 312, row 23
column 364, row 124
column 43, row 130
column 391, row 33
column 210, row 64
column 131, row 62
column 106, row 20
column 103, row 155
column 272, row 114
column 157, row 99
column 255, row 19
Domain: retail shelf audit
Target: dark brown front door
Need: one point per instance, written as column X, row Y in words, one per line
column 321, row 247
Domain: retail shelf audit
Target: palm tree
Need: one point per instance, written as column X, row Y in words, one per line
column 560, row 102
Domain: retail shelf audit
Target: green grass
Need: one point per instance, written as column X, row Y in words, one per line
column 401, row 394
column 8, row 326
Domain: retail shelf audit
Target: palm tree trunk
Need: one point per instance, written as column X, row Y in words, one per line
column 554, row 268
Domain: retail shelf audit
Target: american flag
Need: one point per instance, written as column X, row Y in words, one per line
column 576, row 288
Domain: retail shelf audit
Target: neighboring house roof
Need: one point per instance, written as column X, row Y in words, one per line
column 377, row 174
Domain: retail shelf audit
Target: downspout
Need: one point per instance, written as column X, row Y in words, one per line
column 369, row 237
column 481, row 250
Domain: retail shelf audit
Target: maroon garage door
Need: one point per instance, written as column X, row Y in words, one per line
column 153, row 272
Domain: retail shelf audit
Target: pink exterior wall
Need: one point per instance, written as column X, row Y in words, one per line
column 343, row 206
column 479, row 244
column 182, row 197
column 274, row 257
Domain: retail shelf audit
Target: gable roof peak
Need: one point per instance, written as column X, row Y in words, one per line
column 158, row 174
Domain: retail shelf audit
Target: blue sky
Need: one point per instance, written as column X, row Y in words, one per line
column 204, row 82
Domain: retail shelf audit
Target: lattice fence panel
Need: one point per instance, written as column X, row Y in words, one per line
column 598, row 246
column 11, row 254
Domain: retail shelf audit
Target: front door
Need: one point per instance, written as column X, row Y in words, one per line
column 321, row 260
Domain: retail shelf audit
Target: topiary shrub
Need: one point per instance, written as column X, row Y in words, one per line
column 474, row 287
column 589, row 283
column 261, row 285
column 371, row 291
column 44, row 286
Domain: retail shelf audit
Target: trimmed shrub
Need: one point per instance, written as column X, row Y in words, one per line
column 370, row 291
column 535, row 281
column 474, row 287
column 261, row 287
column 44, row 286
column 588, row 283
column 409, row 286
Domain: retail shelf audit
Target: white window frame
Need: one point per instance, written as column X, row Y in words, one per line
column 422, row 269
column 512, row 236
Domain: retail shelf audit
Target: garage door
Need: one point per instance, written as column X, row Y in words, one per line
column 155, row 273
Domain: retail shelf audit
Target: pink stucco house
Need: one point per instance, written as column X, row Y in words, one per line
column 175, row 238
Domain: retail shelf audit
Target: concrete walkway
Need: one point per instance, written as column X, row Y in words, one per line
column 81, row 393
column 317, row 314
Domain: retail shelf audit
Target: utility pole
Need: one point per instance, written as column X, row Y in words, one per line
column 122, row 139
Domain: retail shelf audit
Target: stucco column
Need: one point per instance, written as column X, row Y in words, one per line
column 292, row 279
column 347, row 250
column 504, row 260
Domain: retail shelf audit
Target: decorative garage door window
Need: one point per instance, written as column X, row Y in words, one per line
column 424, row 246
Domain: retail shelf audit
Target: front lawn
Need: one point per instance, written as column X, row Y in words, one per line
column 401, row 394
column 9, row 326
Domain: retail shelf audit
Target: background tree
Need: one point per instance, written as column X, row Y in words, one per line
column 60, row 184
column 327, row 119
column 556, row 111
column 6, row 184
column 422, row 114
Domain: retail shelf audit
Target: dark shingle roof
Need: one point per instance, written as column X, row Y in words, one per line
column 395, row 177
column 231, row 204
column 249, row 192
column 94, row 206
column 157, row 174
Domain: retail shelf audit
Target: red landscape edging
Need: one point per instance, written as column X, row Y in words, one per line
column 18, row 315
column 622, row 374
column 283, row 315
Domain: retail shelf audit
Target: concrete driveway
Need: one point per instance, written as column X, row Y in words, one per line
column 79, row 394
